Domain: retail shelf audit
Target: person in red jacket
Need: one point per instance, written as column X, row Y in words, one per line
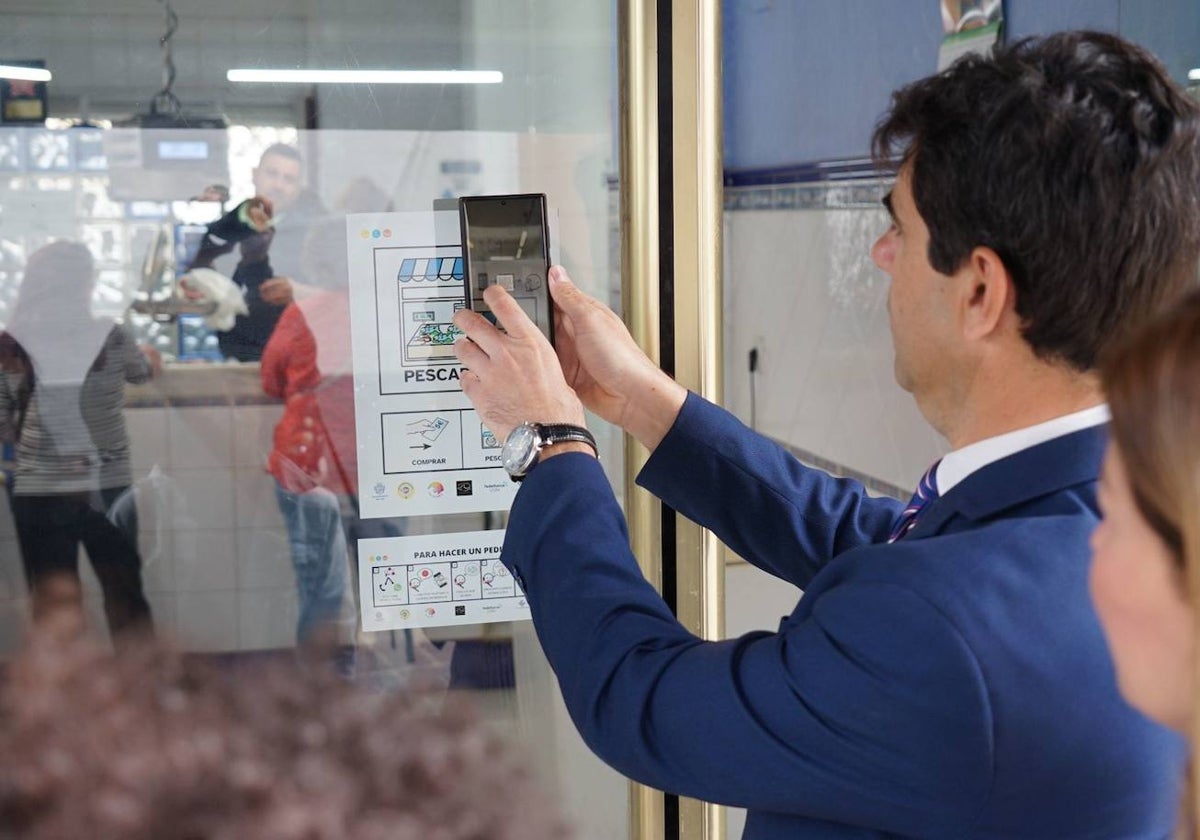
column 314, row 457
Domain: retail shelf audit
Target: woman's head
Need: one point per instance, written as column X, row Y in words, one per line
column 59, row 278
column 1146, row 571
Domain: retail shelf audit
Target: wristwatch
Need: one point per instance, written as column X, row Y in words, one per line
column 525, row 443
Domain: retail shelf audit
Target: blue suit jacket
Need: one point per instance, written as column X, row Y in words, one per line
column 954, row 684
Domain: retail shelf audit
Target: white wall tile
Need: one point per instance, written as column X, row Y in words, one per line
column 264, row 560
column 253, row 430
column 267, row 618
column 755, row 600
column 205, row 560
column 208, row 621
column 155, row 496
column 200, row 437
column 156, row 546
column 164, row 612
column 203, row 499
column 256, row 504
column 157, row 550
column 147, row 429
column 800, row 286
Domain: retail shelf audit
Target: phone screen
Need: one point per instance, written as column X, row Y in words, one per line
column 505, row 243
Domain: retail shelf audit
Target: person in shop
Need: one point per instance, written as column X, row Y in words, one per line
column 270, row 230
column 62, row 397
column 314, row 456
column 944, row 674
column 1145, row 574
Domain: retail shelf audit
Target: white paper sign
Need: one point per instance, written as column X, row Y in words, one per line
column 436, row 580
column 422, row 449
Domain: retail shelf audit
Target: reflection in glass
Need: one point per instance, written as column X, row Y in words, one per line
column 274, row 753
column 62, row 396
column 269, row 232
column 314, row 455
column 222, row 561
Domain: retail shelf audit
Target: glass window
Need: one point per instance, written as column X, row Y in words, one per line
column 178, row 391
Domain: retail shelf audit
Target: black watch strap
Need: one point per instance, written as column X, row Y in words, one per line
column 552, row 433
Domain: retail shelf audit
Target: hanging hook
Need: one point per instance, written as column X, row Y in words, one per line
column 165, row 101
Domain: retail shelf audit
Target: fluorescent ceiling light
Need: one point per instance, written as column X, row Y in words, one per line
column 1194, row 74
column 24, row 74
column 369, row 77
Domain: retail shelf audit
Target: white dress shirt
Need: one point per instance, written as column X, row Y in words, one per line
column 960, row 463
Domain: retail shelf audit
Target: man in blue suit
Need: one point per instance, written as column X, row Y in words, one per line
column 944, row 675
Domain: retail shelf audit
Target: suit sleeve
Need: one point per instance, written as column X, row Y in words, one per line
column 871, row 711
column 785, row 518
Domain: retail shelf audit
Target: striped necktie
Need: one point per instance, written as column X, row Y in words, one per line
column 927, row 493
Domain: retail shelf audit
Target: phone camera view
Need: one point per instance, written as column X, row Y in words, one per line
column 505, row 244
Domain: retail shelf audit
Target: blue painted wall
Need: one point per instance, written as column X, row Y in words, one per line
column 1169, row 28
column 806, row 80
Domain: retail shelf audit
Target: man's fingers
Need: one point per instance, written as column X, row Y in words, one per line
column 469, row 381
column 277, row 290
column 563, row 325
column 508, row 312
column 566, row 294
column 259, row 211
column 470, row 354
column 479, row 330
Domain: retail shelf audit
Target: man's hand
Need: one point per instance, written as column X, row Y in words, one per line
column 512, row 376
column 258, row 213
column 189, row 291
column 277, row 290
column 153, row 357
column 607, row 369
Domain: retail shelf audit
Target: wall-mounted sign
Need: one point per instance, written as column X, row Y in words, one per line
column 422, row 448
column 22, row 101
column 970, row 26
column 437, row 580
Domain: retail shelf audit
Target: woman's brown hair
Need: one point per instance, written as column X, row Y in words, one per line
column 1152, row 380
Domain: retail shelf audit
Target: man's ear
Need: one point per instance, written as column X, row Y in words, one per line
column 988, row 294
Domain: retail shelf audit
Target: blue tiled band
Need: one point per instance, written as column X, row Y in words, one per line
column 825, row 185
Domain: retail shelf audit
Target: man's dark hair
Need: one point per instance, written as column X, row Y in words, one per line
column 281, row 150
column 1076, row 159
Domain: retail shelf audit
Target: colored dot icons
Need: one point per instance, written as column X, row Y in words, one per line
column 375, row 233
column 431, row 270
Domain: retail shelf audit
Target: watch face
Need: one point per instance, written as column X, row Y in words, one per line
column 519, row 449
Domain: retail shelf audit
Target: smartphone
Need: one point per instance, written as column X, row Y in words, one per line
column 506, row 242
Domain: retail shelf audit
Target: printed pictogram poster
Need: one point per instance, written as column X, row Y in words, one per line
column 422, row 449
column 437, row 580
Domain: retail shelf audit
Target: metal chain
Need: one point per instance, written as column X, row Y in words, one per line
column 165, row 101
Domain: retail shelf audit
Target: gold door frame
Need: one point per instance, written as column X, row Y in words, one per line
column 696, row 236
